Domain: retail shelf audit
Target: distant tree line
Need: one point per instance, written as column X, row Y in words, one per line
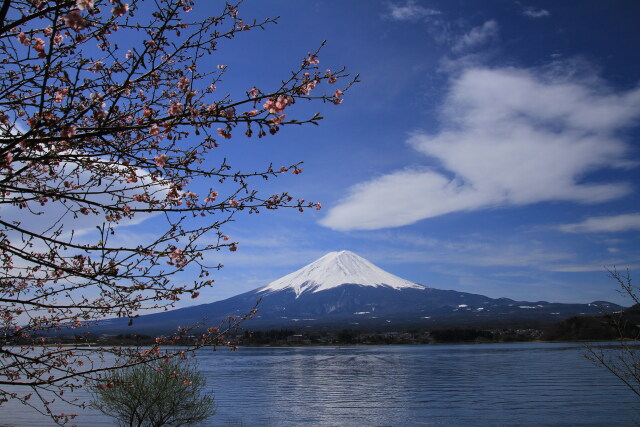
column 577, row 328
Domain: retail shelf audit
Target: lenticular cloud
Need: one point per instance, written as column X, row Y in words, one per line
column 509, row 137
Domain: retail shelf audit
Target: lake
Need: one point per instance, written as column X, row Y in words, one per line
column 486, row 384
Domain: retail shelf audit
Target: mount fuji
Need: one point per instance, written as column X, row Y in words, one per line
column 344, row 290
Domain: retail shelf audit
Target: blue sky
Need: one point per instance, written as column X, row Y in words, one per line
column 491, row 147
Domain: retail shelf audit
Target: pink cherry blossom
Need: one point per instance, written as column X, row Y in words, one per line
column 331, row 78
column 223, row 133
column 312, row 59
column 175, row 108
column 68, row 132
column 212, row 197
column 154, row 130
column 120, row 10
column 8, row 158
column 161, row 160
column 308, row 87
column 277, row 105
column 74, row 20
column 23, row 39
column 84, row 4
column 277, row 120
column 39, row 47
column 183, row 83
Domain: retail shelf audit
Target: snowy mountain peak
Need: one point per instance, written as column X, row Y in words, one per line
column 335, row 269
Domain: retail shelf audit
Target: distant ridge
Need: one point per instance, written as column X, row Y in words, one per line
column 343, row 290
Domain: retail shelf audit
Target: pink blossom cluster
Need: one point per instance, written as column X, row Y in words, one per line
column 175, row 108
column 336, row 97
column 331, row 78
column 212, row 197
column 74, row 20
column 277, row 106
column 177, row 258
column 68, row 132
column 23, row 39
column 161, row 160
column 183, row 83
column 277, row 120
column 39, row 47
column 120, row 9
column 58, row 39
column 224, row 133
column 309, row 86
column 61, row 94
column 8, row 158
column 312, row 59
column 84, row 4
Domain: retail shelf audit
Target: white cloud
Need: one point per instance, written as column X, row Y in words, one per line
column 607, row 224
column 54, row 216
column 409, row 12
column 477, row 36
column 508, row 137
column 588, row 268
column 532, row 12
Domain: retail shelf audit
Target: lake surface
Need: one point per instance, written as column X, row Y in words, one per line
column 494, row 384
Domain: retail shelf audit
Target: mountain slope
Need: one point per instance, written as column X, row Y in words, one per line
column 343, row 290
column 335, row 269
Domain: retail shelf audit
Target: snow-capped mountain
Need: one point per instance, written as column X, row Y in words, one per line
column 336, row 269
column 344, row 290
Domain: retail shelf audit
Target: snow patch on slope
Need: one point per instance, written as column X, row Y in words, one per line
column 335, row 269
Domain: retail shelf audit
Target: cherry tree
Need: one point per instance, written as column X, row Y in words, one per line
column 110, row 115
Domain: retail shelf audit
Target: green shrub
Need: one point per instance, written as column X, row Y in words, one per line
column 160, row 393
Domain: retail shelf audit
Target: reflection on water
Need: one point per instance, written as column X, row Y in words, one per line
column 524, row 384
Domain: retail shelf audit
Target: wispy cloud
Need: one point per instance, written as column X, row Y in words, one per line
column 471, row 250
column 588, row 268
column 477, row 36
column 532, row 12
column 410, row 11
column 606, row 224
column 508, row 137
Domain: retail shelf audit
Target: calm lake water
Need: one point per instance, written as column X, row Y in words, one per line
column 495, row 384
